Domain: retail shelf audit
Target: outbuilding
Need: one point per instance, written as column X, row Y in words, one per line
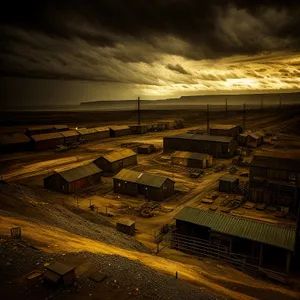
column 116, row 160
column 217, row 146
column 14, row 142
column 139, row 129
column 119, row 130
column 47, row 141
column 146, row 148
column 242, row 138
column 192, row 159
column 255, row 139
column 126, row 226
column 125, row 182
column 60, row 127
column 88, row 134
column 33, row 130
column 60, row 273
column 228, row 183
column 73, row 180
column 70, row 136
column 103, row 132
column 225, row 130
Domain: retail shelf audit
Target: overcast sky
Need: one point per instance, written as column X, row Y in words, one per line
column 155, row 49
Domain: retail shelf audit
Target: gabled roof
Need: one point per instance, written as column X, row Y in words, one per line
column 128, row 175
column 15, row 138
column 101, row 129
column 254, row 136
column 229, row 177
column 69, row 133
column 85, row 131
column 200, row 137
column 118, row 127
column 118, row 155
column 190, row 155
column 79, row 172
column 46, row 136
column 224, row 126
column 266, row 233
column 60, row 127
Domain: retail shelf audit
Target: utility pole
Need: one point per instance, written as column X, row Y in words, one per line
column 226, row 108
column 244, row 117
column 262, row 103
column 280, row 104
column 207, row 119
column 139, row 112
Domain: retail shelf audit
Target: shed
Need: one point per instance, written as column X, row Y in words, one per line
column 255, row 139
column 14, row 143
column 126, row 226
column 73, row 180
column 60, row 127
column 33, row 130
column 119, row 130
column 242, row 138
column 125, row 182
column 116, row 160
column 146, row 148
column 225, row 130
column 103, row 132
column 228, row 183
column 47, row 141
column 70, row 136
column 58, row 272
column 192, row 159
column 139, row 129
column 217, row 146
column 88, row 134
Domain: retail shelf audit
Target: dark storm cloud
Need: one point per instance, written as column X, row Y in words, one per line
column 177, row 68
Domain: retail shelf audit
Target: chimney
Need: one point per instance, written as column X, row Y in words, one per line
column 207, row 119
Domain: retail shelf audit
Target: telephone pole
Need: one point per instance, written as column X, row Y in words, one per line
column 139, row 112
column 262, row 103
column 207, row 119
column 280, row 104
column 226, row 108
column 244, row 117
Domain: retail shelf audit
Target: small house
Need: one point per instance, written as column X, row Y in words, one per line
column 125, row 182
column 14, row 143
column 242, row 138
column 146, row 148
column 33, row 130
column 192, row 159
column 60, row 273
column 126, row 226
column 139, row 129
column 47, row 141
column 119, row 130
column 116, row 160
column 73, row 180
column 60, row 127
column 103, row 132
column 255, row 139
column 225, row 130
column 228, row 183
column 88, row 134
column 70, row 136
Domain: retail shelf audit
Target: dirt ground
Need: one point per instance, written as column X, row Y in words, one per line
column 28, row 170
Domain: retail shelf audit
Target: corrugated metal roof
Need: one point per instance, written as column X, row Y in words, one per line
column 15, row 138
column 277, row 160
column 79, row 172
column 190, row 155
column 200, row 137
column 283, row 237
column 68, row 133
column 223, row 126
column 35, row 128
column 101, row 129
column 85, row 131
column 128, row 175
column 60, row 127
column 46, row 136
column 119, row 127
column 229, row 177
column 59, row 268
column 118, row 155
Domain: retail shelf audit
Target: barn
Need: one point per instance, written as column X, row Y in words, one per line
column 192, row 159
column 228, row 183
column 47, row 141
column 217, row 146
column 14, row 143
column 119, row 130
column 70, row 136
column 33, row 130
column 139, row 129
column 153, row 187
column 73, row 180
column 103, row 132
column 116, row 160
column 146, row 148
column 88, row 134
column 225, row 130
column 60, row 127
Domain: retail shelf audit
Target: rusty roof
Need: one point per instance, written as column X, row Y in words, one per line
column 118, row 155
column 59, row 127
column 190, row 155
column 101, row 129
column 46, row 136
column 200, row 137
column 80, row 172
column 68, row 133
column 59, row 268
column 266, row 233
column 281, row 160
column 224, row 126
column 85, row 131
column 119, row 127
column 15, row 138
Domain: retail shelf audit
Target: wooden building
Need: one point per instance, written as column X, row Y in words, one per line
column 153, row 187
column 60, row 127
column 88, row 134
column 47, row 141
column 146, row 148
column 116, row 160
column 275, row 179
column 16, row 142
column 119, row 130
column 139, row 129
column 70, row 136
column 264, row 245
column 228, row 183
column 34, row 130
column 242, row 138
column 60, row 273
column 225, row 130
column 255, row 139
column 217, row 146
column 192, row 159
column 73, row 180
column 103, row 132
column 126, row 226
